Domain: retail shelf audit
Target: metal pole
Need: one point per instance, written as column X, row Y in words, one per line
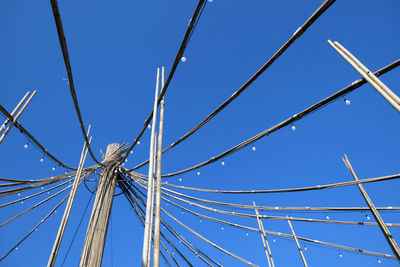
column 389, row 238
column 391, row 97
column 152, row 203
column 297, row 243
column 156, row 252
column 14, row 111
column 17, row 116
column 149, row 211
column 68, row 207
column 264, row 239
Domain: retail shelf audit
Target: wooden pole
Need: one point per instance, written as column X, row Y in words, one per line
column 92, row 253
column 264, row 239
column 380, row 87
column 389, row 238
column 297, row 243
column 68, row 207
column 17, row 116
column 149, row 211
column 156, row 252
column 14, row 111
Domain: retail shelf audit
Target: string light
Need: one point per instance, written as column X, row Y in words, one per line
column 348, row 102
column 223, row 163
column 131, row 152
column 253, row 148
column 293, row 127
column 138, row 142
column 247, row 233
column 340, row 255
column 26, row 145
column 198, row 173
column 126, row 160
column 41, row 159
column 180, row 179
column 22, row 202
column 149, row 126
column 274, row 240
column 42, row 187
column 201, row 220
column 305, row 248
column 183, row 59
column 54, row 168
column 222, row 227
column 210, row 1
column 379, row 261
column 327, row 217
column 19, row 194
column 367, row 216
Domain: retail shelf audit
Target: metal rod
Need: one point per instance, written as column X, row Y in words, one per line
column 389, row 238
column 68, row 207
column 14, row 111
column 264, row 238
column 156, row 252
column 17, row 116
column 152, row 204
column 149, row 211
column 297, row 243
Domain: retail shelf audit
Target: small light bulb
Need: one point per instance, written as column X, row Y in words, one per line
column 181, row 211
column 42, row 187
column 222, row 227
column 48, row 192
column 149, row 126
column 379, row 261
column 126, row 160
column 183, row 59
column 198, row 173
column 41, row 159
column 293, row 128
column 253, row 148
column 22, row 202
column 305, row 248
column 16, row 248
column 19, row 194
column 138, row 142
column 327, row 217
column 340, row 255
column 274, row 240
column 131, row 152
column 348, row 102
column 180, row 179
column 223, row 163
column 26, row 145
column 247, row 233
column 36, row 229
column 54, row 168
column 210, row 1
column 66, row 172
column 201, row 220
column 55, row 211
column 368, row 218
column 166, row 181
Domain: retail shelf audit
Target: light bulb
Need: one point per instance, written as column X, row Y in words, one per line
column 327, row 217
column 198, row 172
column 166, row 181
column 253, row 148
column 274, row 240
column 183, row 59
column 210, row 1
column 223, row 163
column 340, row 255
column 379, row 261
column 22, row 202
column 180, row 179
column 16, row 248
column 48, row 192
column 293, row 128
column 181, row 211
column 201, row 220
column 131, row 152
column 55, row 211
column 305, row 248
column 348, row 102
column 138, row 142
column 368, row 218
column 42, row 187
column 126, row 160
column 247, row 233
column 19, row 194
column 41, row 159
column 54, row 168
column 149, row 126
column 26, row 145
column 222, row 227
column 36, row 229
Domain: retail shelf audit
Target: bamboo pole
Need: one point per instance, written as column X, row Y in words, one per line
column 264, row 239
column 92, row 252
column 17, row 116
column 149, row 211
column 68, row 207
column 151, row 221
column 389, row 238
column 380, row 87
column 156, row 252
column 297, row 243
column 14, row 111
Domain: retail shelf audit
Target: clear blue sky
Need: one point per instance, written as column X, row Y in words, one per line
column 115, row 48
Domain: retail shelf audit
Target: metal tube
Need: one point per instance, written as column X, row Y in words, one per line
column 297, row 243
column 14, row 111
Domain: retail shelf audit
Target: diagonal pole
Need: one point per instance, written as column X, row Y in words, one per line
column 17, row 116
column 297, row 243
column 68, row 207
column 389, row 238
column 264, row 238
column 14, row 111
column 149, row 211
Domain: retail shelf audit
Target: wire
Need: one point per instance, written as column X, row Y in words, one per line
column 33, row 139
column 64, row 49
column 286, row 122
column 325, row 5
column 184, row 43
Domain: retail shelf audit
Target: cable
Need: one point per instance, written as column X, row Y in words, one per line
column 184, row 43
column 64, row 49
column 325, row 5
column 288, row 121
column 33, row 139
